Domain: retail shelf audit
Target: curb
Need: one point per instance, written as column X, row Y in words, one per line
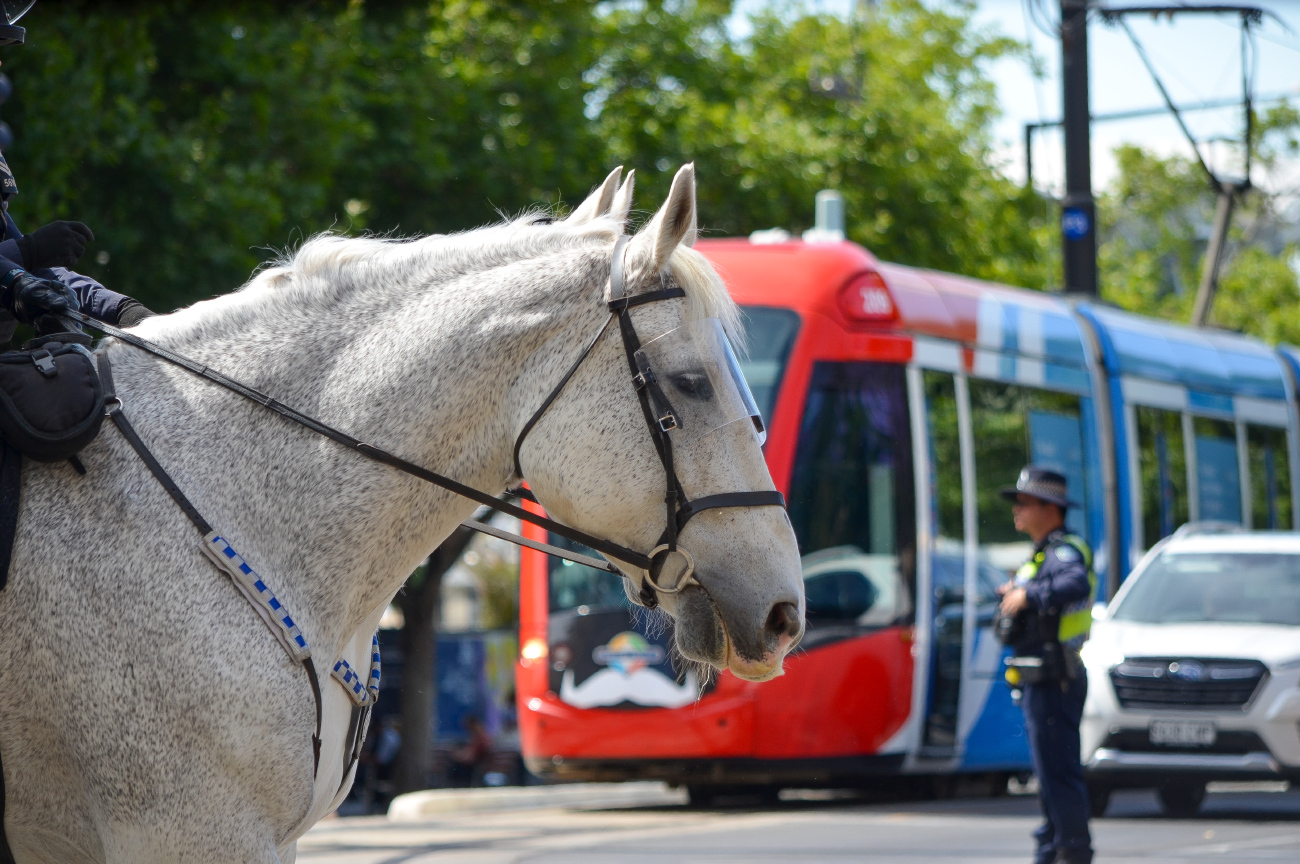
column 417, row 806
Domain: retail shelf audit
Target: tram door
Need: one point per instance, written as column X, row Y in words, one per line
column 944, row 421
column 980, row 435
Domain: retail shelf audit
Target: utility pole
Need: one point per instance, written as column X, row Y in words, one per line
column 1214, row 253
column 1078, row 211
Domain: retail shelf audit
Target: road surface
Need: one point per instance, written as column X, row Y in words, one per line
column 1241, row 827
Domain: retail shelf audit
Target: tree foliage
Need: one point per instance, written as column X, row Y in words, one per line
column 893, row 109
column 1155, row 222
column 198, row 138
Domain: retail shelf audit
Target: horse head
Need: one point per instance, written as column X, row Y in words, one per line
column 594, row 459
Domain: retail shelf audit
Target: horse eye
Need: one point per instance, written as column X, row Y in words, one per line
column 694, row 384
column 543, row 220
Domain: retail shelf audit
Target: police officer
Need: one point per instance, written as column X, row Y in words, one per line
column 1052, row 596
column 35, row 282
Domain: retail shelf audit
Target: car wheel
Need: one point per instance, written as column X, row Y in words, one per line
column 1098, row 800
column 1181, row 800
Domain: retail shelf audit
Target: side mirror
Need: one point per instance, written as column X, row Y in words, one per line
column 840, row 595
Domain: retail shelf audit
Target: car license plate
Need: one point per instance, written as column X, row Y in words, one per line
column 1185, row 733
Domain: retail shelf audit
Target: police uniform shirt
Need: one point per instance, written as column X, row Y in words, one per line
column 1062, row 580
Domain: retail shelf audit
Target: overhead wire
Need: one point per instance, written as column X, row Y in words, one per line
column 1169, row 102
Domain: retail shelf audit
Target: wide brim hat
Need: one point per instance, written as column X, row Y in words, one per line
column 1041, row 483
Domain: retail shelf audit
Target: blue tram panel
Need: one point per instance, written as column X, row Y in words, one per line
column 1203, row 424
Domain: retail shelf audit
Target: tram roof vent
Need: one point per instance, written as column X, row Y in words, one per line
column 829, row 224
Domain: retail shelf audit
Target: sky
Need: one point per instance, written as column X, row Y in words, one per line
column 1197, row 57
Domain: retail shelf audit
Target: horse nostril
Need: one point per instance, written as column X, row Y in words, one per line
column 783, row 620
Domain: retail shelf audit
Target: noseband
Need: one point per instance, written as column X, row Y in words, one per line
column 660, row 419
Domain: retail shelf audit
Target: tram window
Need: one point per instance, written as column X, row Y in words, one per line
column 1013, row 426
column 1162, row 463
column 769, row 334
column 945, row 461
column 573, row 585
column 852, row 478
column 1218, row 475
column 1270, row 477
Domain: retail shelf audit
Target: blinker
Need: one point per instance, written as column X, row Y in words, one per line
column 692, row 374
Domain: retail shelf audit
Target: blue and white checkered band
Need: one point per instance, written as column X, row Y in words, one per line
column 256, row 592
column 373, row 684
column 351, row 681
column 360, row 692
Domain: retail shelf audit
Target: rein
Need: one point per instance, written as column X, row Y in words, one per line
column 378, row 454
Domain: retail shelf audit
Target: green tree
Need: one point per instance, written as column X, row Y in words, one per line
column 477, row 109
column 1154, row 224
column 188, row 135
column 894, row 110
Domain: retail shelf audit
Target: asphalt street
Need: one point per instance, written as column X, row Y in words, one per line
column 1234, row 826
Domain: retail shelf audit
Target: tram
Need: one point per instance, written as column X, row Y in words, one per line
column 898, row 401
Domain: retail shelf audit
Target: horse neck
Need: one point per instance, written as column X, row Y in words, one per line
column 443, row 382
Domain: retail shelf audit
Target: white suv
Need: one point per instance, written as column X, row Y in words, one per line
column 1194, row 669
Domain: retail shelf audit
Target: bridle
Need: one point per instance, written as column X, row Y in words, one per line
column 660, row 416
column 661, row 419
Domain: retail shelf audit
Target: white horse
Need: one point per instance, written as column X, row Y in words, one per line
column 146, row 714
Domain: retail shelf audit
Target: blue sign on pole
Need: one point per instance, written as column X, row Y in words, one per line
column 1075, row 223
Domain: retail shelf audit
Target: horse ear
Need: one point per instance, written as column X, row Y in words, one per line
column 597, row 203
column 674, row 222
column 622, row 205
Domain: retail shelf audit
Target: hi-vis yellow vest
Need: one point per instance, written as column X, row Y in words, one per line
column 1076, row 618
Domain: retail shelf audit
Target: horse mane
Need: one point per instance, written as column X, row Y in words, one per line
column 328, row 268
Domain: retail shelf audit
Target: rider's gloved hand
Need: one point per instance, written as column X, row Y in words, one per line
column 59, row 244
column 31, row 298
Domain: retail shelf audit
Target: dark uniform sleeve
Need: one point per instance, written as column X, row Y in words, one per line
column 1062, row 580
column 95, row 299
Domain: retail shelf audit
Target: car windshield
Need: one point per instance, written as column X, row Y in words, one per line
column 1223, row 587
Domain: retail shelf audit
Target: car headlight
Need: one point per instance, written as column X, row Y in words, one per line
column 1101, row 655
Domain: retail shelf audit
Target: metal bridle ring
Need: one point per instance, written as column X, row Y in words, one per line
column 687, row 578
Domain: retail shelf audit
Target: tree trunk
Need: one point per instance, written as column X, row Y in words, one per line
column 420, row 609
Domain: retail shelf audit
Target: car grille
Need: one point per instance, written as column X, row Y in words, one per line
column 1182, row 683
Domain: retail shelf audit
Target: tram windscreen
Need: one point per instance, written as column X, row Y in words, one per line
column 1221, row 587
column 769, row 334
column 852, row 481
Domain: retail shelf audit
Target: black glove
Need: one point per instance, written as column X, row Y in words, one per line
column 32, row 298
column 131, row 312
column 59, row 244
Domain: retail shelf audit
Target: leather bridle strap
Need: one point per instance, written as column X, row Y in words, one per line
column 727, row 499
column 555, row 392
column 607, row 547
